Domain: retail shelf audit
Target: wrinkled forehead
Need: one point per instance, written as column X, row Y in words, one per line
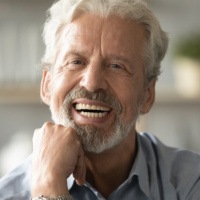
column 113, row 30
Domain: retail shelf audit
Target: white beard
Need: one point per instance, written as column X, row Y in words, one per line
column 93, row 139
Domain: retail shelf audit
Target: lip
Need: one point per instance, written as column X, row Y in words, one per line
column 97, row 121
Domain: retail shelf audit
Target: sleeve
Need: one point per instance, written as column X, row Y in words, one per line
column 16, row 184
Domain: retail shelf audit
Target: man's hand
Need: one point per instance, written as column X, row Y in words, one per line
column 57, row 153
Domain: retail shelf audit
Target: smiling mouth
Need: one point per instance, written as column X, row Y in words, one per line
column 92, row 111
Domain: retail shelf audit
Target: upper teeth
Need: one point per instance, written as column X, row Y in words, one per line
column 81, row 106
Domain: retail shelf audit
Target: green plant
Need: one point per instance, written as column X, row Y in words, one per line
column 189, row 47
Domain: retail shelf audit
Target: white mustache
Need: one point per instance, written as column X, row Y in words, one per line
column 101, row 96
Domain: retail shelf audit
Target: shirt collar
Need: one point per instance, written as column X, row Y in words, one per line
column 139, row 169
column 70, row 182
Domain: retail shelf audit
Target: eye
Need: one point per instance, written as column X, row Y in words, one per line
column 116, row 66
column 75, row 64
column 119, row 68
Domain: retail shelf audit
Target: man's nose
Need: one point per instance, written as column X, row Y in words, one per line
column 94, row 78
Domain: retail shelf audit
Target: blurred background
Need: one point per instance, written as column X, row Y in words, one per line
column 175, row 117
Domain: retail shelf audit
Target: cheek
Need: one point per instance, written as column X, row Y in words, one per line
column 130, row 109
column 64, row 81
column 130, row 98
column 61, row 86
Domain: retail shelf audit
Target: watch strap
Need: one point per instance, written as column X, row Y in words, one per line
column 63, row 197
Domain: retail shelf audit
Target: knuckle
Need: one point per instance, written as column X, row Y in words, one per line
column 35, row 133
column 59, row 127
column 78, row 143
column 47, row 125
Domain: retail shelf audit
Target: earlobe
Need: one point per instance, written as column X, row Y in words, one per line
column 149, row 98
column 45, row 89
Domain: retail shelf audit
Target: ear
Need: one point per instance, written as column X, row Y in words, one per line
column 149, row 97
column 45, row 88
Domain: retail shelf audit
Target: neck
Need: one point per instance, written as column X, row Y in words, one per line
column 108, row 170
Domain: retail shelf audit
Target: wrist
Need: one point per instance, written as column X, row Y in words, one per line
column 49, row 186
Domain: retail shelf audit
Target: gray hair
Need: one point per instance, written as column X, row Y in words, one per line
column 65, row 11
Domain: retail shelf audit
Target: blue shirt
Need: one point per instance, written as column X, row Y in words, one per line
column 158, row 173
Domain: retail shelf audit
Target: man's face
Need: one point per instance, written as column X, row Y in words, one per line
column 97, row 84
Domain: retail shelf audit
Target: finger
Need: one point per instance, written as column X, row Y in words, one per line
column 80, row 169
column 79, row 175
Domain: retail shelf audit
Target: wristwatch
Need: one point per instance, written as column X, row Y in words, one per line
column 64, row 197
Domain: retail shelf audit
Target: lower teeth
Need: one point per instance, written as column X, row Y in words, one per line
column 93, row 115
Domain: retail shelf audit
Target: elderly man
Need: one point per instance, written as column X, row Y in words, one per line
column 101, row 64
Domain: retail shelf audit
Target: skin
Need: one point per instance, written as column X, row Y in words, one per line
column 105, row 54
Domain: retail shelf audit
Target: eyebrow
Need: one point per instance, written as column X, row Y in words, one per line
column 74, row 53
column 118, row 58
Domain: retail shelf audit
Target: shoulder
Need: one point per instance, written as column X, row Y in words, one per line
column 175, row 157
column 15, row 184
column 179, row 167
